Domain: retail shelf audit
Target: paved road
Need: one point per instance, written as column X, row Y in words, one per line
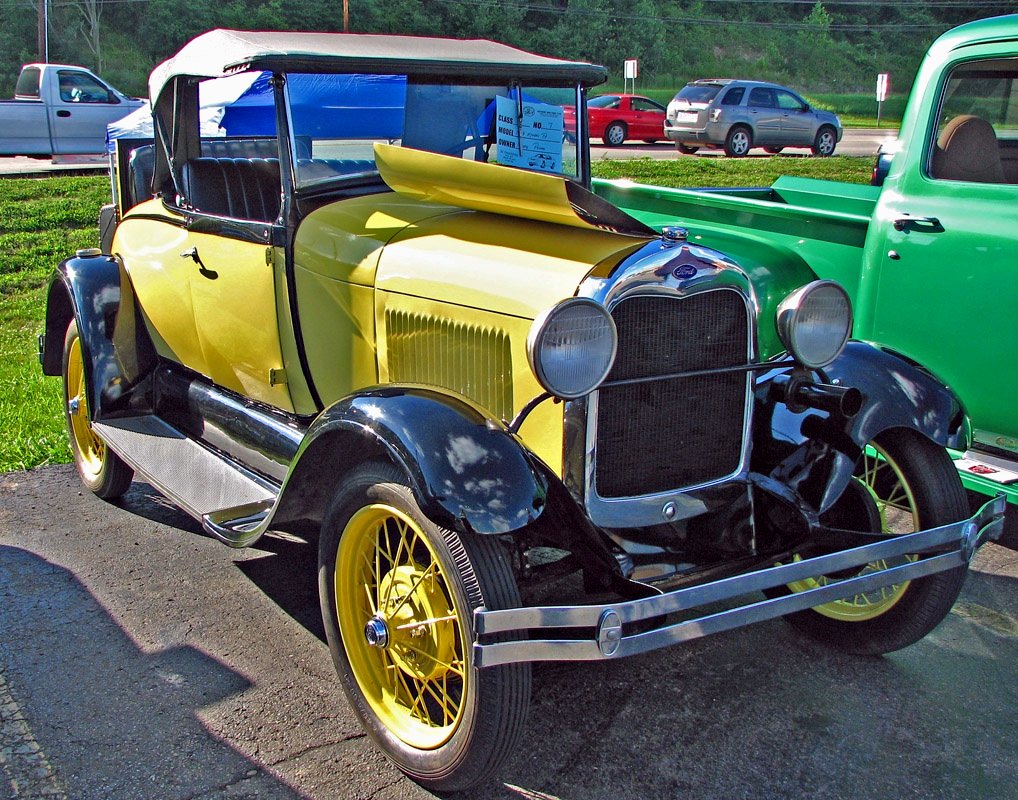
column 856, row 142
column 140, row 659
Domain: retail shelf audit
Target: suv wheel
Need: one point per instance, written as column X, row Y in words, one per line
column 825, row 142
column 738, row 142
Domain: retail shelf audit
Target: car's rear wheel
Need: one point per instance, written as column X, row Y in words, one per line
column 615, row 134
column 903, row 483
column 650, row 141
column 773, row 150
column 100, row 469
column 738, row 142
column 825, row 142
column 398, row 594
column 687, row 149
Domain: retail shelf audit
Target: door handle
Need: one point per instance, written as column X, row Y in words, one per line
column 925, row 224
column 205, row 271
column 63, row 112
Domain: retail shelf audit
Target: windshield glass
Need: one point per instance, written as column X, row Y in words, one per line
column 336, row 120
column 698, row 93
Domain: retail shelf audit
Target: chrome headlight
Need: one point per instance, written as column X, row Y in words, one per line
column 572, row 346
column 814, row 323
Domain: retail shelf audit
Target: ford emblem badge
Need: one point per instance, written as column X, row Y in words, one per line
column 684, row 271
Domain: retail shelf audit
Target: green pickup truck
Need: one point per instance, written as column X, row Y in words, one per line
column 930, row 258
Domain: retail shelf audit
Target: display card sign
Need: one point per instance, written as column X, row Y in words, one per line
column 529, row 134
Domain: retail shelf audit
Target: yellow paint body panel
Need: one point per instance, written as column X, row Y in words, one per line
column 221, row 322
column 162, row 280
column 396, row 290
column 473, row 184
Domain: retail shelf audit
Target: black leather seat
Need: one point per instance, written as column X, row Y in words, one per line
column 242, row 188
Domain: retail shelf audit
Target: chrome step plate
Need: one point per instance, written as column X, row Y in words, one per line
column 197, row 479
column 983, row 465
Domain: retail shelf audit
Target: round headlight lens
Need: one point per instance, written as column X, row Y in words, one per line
column 571, row 347
column 814, row 322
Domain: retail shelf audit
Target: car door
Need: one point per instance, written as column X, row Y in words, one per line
column 648, row 117
column 796, row 121
column 79, row 114
column 764, row 116
column 944, row 253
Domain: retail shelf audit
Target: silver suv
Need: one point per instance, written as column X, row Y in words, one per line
column 738, row 115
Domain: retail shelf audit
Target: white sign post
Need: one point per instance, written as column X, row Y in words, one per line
column 630, row 72
column 883, row 84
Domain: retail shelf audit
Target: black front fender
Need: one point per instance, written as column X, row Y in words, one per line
column 467, row 472
column 814, row 452
column 118, row 355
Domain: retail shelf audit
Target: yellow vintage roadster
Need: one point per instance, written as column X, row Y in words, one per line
column 357, row 288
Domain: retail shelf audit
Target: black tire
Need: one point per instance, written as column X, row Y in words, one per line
column 919, row 477
column 825, row 142
column 773, row 150
column 686, row 149
column 447, row 736
column 650, row 141
column 101, row 470
column 738, row 141
column 615, row 134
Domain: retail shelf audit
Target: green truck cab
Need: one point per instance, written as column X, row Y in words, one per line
column 929, row 257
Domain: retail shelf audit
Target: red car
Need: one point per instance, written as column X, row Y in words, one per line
column 617, row 117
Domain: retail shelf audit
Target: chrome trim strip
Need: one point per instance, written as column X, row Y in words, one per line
column 962, row 537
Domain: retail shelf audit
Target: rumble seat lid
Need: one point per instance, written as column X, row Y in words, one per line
column 500, row 190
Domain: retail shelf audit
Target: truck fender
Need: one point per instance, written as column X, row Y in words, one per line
column 467, row 472
column 814, row 452
column 118, row 354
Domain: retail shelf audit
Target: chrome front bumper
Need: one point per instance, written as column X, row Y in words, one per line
column 946, row 547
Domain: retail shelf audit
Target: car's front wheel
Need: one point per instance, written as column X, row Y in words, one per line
column 903, row 483
column 825, row 142
column 100, row 469
column 615, row 134
column 738, row 142
column 398, row 594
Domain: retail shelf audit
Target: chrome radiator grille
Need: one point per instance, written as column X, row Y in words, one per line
column 662, row 435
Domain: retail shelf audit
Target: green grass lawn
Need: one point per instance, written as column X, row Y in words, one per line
column 41, row 223
column 44, row 221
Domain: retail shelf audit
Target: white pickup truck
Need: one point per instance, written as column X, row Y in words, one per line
column 60, row 110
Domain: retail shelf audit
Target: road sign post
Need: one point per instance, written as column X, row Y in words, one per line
column 630, row 72
column 883, row 84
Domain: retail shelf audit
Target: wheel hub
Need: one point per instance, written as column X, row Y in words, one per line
column 417, row 621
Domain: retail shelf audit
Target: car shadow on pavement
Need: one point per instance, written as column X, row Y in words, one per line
column 85, row 713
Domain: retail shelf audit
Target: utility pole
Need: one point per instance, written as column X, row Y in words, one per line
column 43, row 31
column 346, row 16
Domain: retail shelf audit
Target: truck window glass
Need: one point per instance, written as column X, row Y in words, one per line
column 762, row 98
column 28, row 83
column 77, row 87
column 975, row 138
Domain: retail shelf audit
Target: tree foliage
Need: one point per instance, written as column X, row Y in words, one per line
column 837, row 45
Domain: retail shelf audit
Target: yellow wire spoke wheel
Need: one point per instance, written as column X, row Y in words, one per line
column 398, row 594
column 400, row 626
column 100, row 469
column 885, row 484
column 89, row 448
column 903, row 482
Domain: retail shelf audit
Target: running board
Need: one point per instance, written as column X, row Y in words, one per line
column 229, row 500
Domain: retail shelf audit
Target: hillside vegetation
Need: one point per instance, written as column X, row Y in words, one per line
column 834, row 46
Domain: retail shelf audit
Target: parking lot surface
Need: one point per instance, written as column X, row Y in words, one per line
column 141, row 659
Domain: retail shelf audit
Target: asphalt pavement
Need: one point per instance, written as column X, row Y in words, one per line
column 141, row 659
